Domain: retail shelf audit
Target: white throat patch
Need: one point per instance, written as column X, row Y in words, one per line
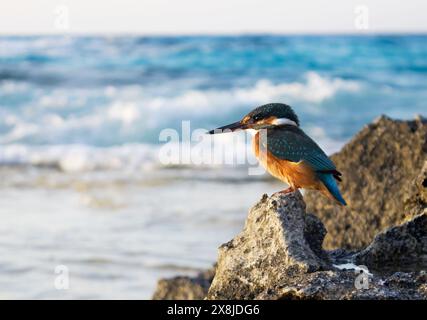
column 253, row 132
column 281, row 121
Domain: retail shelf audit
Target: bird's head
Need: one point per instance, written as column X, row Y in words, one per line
column 267, row 116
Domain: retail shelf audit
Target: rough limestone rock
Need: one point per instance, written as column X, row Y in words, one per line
column 403, row 245
column 184, row 288
column 279, row 255
column 381, row 174
column 341, row 285
column 415, row 200
column 274, row 236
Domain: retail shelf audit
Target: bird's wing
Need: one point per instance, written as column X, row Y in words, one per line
column 292, row 144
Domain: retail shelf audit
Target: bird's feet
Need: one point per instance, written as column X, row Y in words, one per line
column 286, row 191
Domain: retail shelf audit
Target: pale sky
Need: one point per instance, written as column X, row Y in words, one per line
column 210, row 17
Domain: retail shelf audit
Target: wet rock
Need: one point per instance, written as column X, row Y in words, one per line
column 382, row 183
column 184, row 288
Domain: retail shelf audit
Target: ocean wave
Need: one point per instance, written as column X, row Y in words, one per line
column 77, row 158
column 132, row 157
column 112, row 115
column 233, row 150
column 314, row 89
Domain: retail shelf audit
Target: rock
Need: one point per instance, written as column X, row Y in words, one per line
column 279, row 255
column 404, row 245
column 184, row 288
column 274, row 238
column 379, row 166
column 327, row 285
column 415, row 200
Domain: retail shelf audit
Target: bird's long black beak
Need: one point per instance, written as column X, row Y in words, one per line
column 229, row 128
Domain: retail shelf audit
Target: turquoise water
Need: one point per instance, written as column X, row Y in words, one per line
column 116, row 90
column 80, row 118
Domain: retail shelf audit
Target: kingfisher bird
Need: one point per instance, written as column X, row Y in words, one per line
column 286, row 152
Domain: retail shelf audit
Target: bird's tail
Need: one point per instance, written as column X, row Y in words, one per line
column 332, row 187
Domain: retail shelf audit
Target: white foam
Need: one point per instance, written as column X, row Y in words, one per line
column 117, row 115
column 72, row 158
column 352, row 266
column 315, row 89
column 124, row 112
column 227, row 150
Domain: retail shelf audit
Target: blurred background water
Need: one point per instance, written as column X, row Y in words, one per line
column 80, row 119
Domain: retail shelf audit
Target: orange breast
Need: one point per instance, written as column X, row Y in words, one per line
column 295, row 174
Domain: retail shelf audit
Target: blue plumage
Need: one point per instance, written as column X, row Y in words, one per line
column 295, row 158
column 292, row 144
column 330, row 183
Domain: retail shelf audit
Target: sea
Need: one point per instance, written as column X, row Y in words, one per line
column 105, row 187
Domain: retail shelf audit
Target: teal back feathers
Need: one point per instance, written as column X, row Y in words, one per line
column 292, row 144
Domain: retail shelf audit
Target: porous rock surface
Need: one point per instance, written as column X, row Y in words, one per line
column 381, row 168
